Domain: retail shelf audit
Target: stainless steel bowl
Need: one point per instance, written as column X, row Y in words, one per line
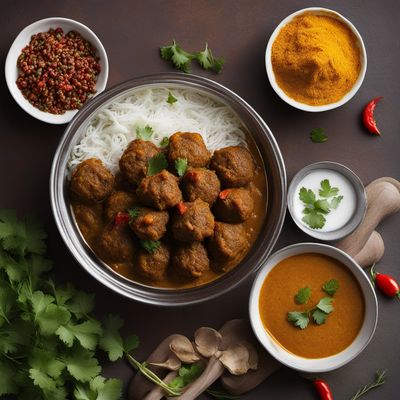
column 276, row 193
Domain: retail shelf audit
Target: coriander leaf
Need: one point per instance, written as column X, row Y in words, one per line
column 322, row 206
column 207, row 61
column 307, row 196
column 318, row 135
column 326, row 189
column 81, row 304
column 87, row 333
column 180, row 58
column 151, row 246
column 44, row 361
column 156, row 164
column 7, row 381
column 187, row 374
column 319, row 316
column 144, row 133
column 14, row 337
column 330, row 287
column 8, row 303
column 299, row 319
column 220, row 395
column 325, row 305
column 41, row 379
column 82, row 365
column 303, row 295
column 336, row 201
column 181, row 166
column 111, row 341
column 171, row 99
column 134, row 212
column 40, row 301
column 51, row 318
column 131, row 343
column 164, row 141
column 314, row 219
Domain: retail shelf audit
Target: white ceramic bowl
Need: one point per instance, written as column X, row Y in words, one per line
column 24, row 37
column 325, row 364
column 271, row 75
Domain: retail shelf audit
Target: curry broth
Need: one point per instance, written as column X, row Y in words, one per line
column 258, row 190
column 277, row 299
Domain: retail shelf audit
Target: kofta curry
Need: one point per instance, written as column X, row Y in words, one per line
column 173, row 217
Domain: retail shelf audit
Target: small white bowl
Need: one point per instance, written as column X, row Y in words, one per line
column 24, row 37
column 325, row 364
column 271, row 75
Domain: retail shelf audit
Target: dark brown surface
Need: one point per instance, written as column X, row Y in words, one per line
column 131, row 33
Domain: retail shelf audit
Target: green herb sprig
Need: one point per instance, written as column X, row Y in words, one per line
column 380, row 379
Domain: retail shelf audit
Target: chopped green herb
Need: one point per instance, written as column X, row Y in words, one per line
column 181, row 166
column 187, row 374
column 325, row 305
column 330, row 287
column 303, row 295
column 171, row 99
column 299, row 319
column 318, row 135
column 134, row 212
column 208, row 61
column 180, row 58
column 151, row 246
column 164, row 141
column 319, row 316
column 144, row 133
column 156, row 164
column 336, row 201
column 327, row 190
column 313, row 219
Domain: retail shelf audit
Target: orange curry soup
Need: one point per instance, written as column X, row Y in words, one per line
column 277, row 298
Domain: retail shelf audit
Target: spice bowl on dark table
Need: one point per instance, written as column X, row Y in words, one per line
column 169, row 189
column 53, row 67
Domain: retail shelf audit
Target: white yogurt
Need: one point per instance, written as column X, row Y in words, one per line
column 337, row 218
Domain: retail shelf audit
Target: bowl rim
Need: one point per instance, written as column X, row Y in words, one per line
column 359, row 214
column 315, row 365
column 127, row 288
column 43, row 25
column 271, row 75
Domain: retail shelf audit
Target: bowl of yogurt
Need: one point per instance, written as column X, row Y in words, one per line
column 327, row 200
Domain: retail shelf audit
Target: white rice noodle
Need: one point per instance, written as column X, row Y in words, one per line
column 114, row 127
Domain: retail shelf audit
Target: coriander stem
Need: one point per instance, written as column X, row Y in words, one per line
column 151, row 376
column 379, row 381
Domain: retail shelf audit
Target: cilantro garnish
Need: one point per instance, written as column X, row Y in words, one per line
column 180, row 58
column 318, row 135
column 207, row 61
column 156, row 164
column 330, row 287
column 171, row 99
column 299, row 319
column 144, row 133
column 315, row 209
column 188, row 373
column 325, row 305
column 319, row 316
column 151, row 246
column 181, row 166
column 164, row 141
column 303, row 295
column 134, row 212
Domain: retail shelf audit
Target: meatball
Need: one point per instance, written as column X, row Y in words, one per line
column 160, row 191
column 193, row 222
column 234, row 166
column 234, row 205
column 116, row 244
column 119, row 201
column 201, row 183
column 191, row 260
column 91, row 181
column 89, row 219
column 227, row 243
column 153, row 266
column 133, row 162
column 150, row 224
column 189, row 146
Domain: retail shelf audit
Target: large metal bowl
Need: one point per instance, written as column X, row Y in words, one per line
column 276, row 193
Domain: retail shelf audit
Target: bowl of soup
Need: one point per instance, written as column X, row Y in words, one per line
column 312, row 307
column 169, row 189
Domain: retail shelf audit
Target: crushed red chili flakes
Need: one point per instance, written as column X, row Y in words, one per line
column 57, row 71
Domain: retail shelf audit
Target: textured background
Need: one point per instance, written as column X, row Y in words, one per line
column 238, row 30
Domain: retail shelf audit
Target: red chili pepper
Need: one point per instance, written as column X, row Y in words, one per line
column 224, row 194
column 369, row 118
column 323, row 389
column 181, row 208
column 386, row 283
column 121, row 218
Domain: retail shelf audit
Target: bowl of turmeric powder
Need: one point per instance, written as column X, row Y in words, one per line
column 316, row 59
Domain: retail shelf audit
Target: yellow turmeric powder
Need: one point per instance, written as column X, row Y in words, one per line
column 316, row 59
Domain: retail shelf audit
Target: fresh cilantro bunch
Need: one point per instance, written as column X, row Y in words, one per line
column 48, row 339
